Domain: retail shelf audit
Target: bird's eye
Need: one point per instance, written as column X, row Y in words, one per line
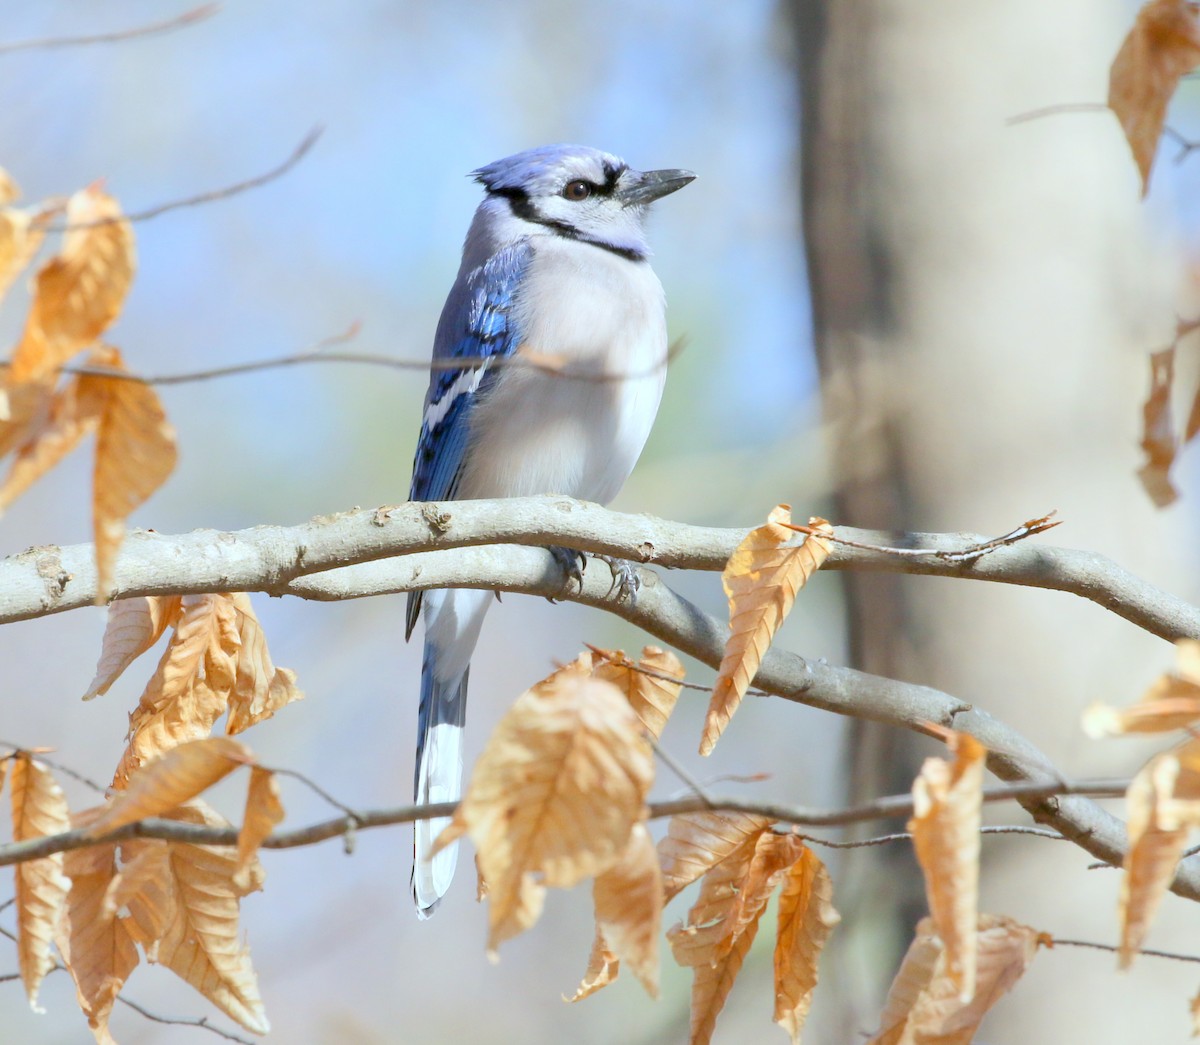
column 577, row 190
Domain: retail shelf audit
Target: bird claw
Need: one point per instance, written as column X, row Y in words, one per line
column 625, row 578
column 572, row 562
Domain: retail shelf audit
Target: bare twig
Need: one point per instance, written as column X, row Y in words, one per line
column 1150, row 953
column 199, row 834
column 1055, row 110
column 905, row 836
column 969, row 554
column 197, row 14
column 177, row 1021
column 298, row 153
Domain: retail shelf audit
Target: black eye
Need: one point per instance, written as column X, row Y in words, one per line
column 577, row 190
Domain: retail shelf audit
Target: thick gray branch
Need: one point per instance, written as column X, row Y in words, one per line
column 394, row 551
column 268, row 558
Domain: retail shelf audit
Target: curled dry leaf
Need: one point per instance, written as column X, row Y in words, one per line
column 135, row 452
column 216, row 659
column 948, row 808
column 172, row 779
column 260, row 689
column 21, row 235
column 651, row 696
column 556, row 793
column 81, row 290
column 60, row 428
column 185, row 911
column 95, row 943
column 9, row 189
column 264, row 810
column 1159, row 442
column 39, row 808
column 924, row 1007
column 761, row 580
column 1162, row 47
column 806, row 918
column 1163, row 802
column 602, row 969
column 723, row 922
column 629, row 903
column 1172, row 702
column 697, row 842
column 133, row 626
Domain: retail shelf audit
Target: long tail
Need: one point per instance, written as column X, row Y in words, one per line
column 452, row 623
column 438, row 778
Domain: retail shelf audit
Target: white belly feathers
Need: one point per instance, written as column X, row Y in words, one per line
column 599, row 320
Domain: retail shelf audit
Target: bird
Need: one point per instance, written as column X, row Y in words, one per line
column 560, row 323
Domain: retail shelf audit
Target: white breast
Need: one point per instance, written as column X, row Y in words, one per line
column 600, row 318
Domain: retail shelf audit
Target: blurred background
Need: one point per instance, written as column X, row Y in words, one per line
column 983, row 298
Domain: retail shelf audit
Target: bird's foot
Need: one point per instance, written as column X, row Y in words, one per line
column 626, row 581
column 572, row 562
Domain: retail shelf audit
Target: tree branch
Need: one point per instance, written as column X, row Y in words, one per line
column 270, row 558
column 281, row 561
column 200, row 834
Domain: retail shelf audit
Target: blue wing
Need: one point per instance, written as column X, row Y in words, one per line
column 476, row 325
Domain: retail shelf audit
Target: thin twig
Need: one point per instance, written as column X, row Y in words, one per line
column 693, row 785
column 199, row 1021
column 191, row 17
column 198, row 834
column 211, row 196
column 904, row 836
column 316, row 788
column 552, row 367
column 1055, row 110
column 1027, row 529
column 1172, row 955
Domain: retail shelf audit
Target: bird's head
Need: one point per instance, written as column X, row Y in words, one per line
column 581, row 193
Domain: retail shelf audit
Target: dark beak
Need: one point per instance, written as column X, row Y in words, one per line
column 639, row 188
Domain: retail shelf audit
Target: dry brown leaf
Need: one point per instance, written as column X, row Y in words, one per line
column 173, row 778
column 9, row 189
column 948, row 811
column 761, row 580
column 21, row 236
column 60, row 431
column 629, row 903
column 260, row 689
column 198, row 939
column 602, row 969
column 24, row 407
column 1163, row 802
column 39, row 808
column 697, row 842
column 133, row 626
column 144, row 886
column 711, row 985
column 135, row 452
column 1172, row 701
column 723, row 922
column 923, row 1006
column 81, row 290
column 189, row 689
column 652, row 698
column 806, row 918
column 96, row 945
column 1162, row 47
column 264, row 810
column 1158, row 431
column 555, row 793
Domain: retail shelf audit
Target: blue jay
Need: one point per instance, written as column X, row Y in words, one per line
column 554, row 268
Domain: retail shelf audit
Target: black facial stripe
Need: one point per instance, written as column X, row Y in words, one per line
column 612, row 172
column 522, row 207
